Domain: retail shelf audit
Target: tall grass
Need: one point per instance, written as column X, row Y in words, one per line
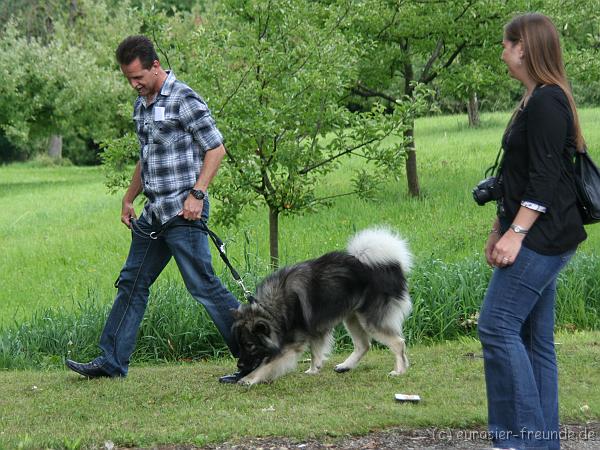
column 174, row 328
column 446, row 298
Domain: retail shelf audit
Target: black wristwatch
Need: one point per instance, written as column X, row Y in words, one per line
column 197, row 194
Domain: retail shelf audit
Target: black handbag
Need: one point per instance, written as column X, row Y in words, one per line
column 587, row 185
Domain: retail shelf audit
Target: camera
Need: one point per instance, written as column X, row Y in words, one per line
column 487, row 190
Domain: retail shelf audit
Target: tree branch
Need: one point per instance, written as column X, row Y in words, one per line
column 263, row 33
column 276, row 140
column 235, row 91
column 364, row 91
column 434, row 56
column 467, row 6
column 340, row 154
column 235, row 164
column 319, row 45
column 323, row 199
column 446, row 65
column 388, row 25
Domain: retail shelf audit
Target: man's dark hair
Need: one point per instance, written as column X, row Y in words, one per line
column 134, row 47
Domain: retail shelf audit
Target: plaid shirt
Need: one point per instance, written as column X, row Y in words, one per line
column 174, row 131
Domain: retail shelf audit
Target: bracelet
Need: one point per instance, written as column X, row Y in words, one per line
column 519, row 229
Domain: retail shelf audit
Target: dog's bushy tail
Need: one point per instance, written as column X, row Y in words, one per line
column 379, row 247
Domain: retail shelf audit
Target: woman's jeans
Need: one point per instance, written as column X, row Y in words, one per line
column 189, row 245
column 516, row 329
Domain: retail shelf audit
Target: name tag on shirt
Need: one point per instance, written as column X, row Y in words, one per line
column 159, row 113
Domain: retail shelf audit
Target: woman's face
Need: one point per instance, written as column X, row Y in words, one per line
column 512, row 55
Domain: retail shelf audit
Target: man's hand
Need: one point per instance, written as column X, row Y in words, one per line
column 134, row 189
column 192, row 208
column 127, row 213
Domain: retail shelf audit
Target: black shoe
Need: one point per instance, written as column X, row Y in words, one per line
column 91, row 370
column 232, row 378
column 236, row 376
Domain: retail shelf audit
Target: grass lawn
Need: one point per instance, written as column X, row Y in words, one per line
column 184, row 403
column 61, row 243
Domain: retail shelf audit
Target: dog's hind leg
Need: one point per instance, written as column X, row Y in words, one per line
column 361, row 341
column 397, row 346
column 282, row 364
column 320, row 348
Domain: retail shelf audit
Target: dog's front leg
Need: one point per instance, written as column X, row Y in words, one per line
column 280, row 365
column 320, row 348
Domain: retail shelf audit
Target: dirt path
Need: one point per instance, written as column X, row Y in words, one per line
column 574, row 437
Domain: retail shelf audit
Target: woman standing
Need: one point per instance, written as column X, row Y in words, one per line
column 536, row 232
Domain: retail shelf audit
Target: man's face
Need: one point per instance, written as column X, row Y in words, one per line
column 144, row 81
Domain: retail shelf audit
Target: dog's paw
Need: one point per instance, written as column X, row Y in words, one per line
column 341, row 369
column 247, row 381
column 251, row 381
column 312, row 371
column 395, row 373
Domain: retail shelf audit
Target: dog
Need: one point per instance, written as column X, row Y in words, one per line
column 299, row 306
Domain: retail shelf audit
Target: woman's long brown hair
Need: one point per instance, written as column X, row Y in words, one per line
column 542, row 56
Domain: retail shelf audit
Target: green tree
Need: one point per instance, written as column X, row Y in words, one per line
column 420, row 42
column 579, row 26
column 273, row 73
column 36, row 17
column 64, row 85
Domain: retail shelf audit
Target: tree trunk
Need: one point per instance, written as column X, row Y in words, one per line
column 411, row 155
column 473, row 110
column 274, row 237
column 411, row 163
column 55, row 146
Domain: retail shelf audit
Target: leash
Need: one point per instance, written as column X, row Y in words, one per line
column 221, row 248
column 213, row 236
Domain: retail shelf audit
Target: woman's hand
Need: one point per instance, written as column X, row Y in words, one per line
column 492, row 240
column 505, row 250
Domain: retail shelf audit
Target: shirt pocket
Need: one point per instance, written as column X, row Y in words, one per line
column 168, row 131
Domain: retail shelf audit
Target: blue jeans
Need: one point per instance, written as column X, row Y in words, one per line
column 516, row 329
column 189, row 245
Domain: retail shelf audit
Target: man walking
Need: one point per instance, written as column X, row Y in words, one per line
column 180, row 153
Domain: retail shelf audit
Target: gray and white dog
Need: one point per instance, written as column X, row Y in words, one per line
column 364, row 286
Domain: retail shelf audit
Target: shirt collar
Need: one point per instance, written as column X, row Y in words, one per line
column 167, row 86
column 165, row 89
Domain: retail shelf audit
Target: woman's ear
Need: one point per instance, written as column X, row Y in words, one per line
column 520, row 49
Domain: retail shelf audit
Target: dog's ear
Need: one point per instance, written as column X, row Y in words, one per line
column 261, row 327
column 262, row 330
column 236, row 313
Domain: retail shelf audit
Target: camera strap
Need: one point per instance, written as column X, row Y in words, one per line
column 496, row 168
